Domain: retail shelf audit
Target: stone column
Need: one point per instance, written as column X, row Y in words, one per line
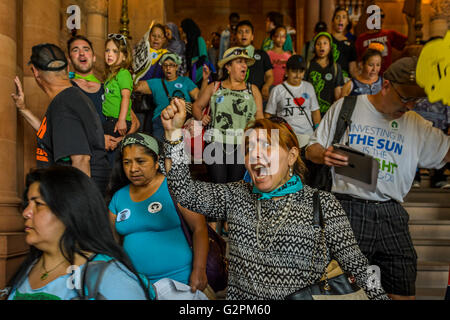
column 326, row 11
column 40, row 23
column 97, row 13
column 312, row 16
column 11, row 223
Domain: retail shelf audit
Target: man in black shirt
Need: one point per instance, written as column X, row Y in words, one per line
column 71, row 132
column 260, row 74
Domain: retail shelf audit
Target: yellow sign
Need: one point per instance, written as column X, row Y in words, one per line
column 433, row 70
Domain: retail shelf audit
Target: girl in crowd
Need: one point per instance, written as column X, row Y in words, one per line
column 143, row 212
column 176, row 45
column 369, row 80
column 66, row 226
column 233, row 104
column 344, row 51
column 118, row 86
column 323, row 73
column 274, row 19
column 272, row 238
column 277, row 55
column 196, row 50
column 295, row 101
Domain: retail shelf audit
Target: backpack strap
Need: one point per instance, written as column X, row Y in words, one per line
column 344, row 119
column 92, row 278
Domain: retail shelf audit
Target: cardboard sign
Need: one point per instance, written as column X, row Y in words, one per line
column 433, row 70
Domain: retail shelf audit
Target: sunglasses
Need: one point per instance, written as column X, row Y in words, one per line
column 237, row 52
column 406, row 100
column 118, row 37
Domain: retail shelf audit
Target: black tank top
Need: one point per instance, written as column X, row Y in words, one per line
column 96, row 98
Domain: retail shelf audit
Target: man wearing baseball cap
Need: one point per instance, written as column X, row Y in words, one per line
column 171, row 86
column 70, row 132
column 383, row 126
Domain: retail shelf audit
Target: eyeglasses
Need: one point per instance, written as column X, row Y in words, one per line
column 118, row 37
column 237, row 52
column 405, row 100
column 171, row 65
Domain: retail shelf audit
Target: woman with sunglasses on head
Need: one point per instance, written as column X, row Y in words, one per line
column 118, row 86
column 272, row 238
column 143, row 212
column 67, row 228
column 233, row 103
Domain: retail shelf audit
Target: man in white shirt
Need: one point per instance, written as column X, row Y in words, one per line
column 382, row 127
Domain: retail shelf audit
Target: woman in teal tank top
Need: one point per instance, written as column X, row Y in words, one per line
column 143, row 213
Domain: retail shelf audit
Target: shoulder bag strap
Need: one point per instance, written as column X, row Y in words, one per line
column 344, row 119
column 183, row 223
column 303, row 109
column 165, row 89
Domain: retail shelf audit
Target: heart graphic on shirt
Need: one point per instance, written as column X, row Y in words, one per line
column 299, row 101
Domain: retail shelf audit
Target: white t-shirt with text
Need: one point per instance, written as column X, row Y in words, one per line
column 399, row 145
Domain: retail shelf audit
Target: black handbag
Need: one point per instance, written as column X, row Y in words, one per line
column 335, row 284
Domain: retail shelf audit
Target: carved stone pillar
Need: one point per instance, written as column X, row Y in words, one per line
column 440, row 18
column 312, row 16
column 326, row 11
column 11, row 222
column 97, row 14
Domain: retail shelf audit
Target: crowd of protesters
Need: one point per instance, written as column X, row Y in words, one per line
column 130, row 135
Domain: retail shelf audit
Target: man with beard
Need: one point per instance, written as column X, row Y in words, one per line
column 82, row 59
column 70, row 134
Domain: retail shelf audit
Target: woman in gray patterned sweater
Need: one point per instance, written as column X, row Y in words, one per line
column 271, row 235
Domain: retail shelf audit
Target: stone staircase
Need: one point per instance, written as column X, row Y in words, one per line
column 429, row 224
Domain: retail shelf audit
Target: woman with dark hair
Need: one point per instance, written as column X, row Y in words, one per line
column 143, row 212
column 369, row 80
column 196, row 50
column 273, row 240
column 324, row 73
column 344, row 51
column 176, row 45
column 67, row 228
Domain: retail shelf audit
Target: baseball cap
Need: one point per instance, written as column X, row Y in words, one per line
column 42, row 55
column 296, row 62
column 173, row 56
column 402, row 71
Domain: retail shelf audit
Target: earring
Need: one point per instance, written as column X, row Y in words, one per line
column 291, row 173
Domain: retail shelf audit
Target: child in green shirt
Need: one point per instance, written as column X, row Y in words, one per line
column 118, row 86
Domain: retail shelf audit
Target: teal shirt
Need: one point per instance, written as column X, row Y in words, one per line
column 184, row 84
column 153, row 239
column 113, row 94
column 117, row 283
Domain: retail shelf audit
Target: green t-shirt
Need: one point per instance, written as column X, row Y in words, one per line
column 113, row 96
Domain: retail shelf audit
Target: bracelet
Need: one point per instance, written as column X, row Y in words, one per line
column 175, row 142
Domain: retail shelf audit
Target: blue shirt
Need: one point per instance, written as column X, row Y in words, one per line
column 118, row 283
column 153, row 237
column 184, row 84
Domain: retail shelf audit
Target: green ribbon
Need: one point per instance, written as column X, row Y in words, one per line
column 89, row 77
